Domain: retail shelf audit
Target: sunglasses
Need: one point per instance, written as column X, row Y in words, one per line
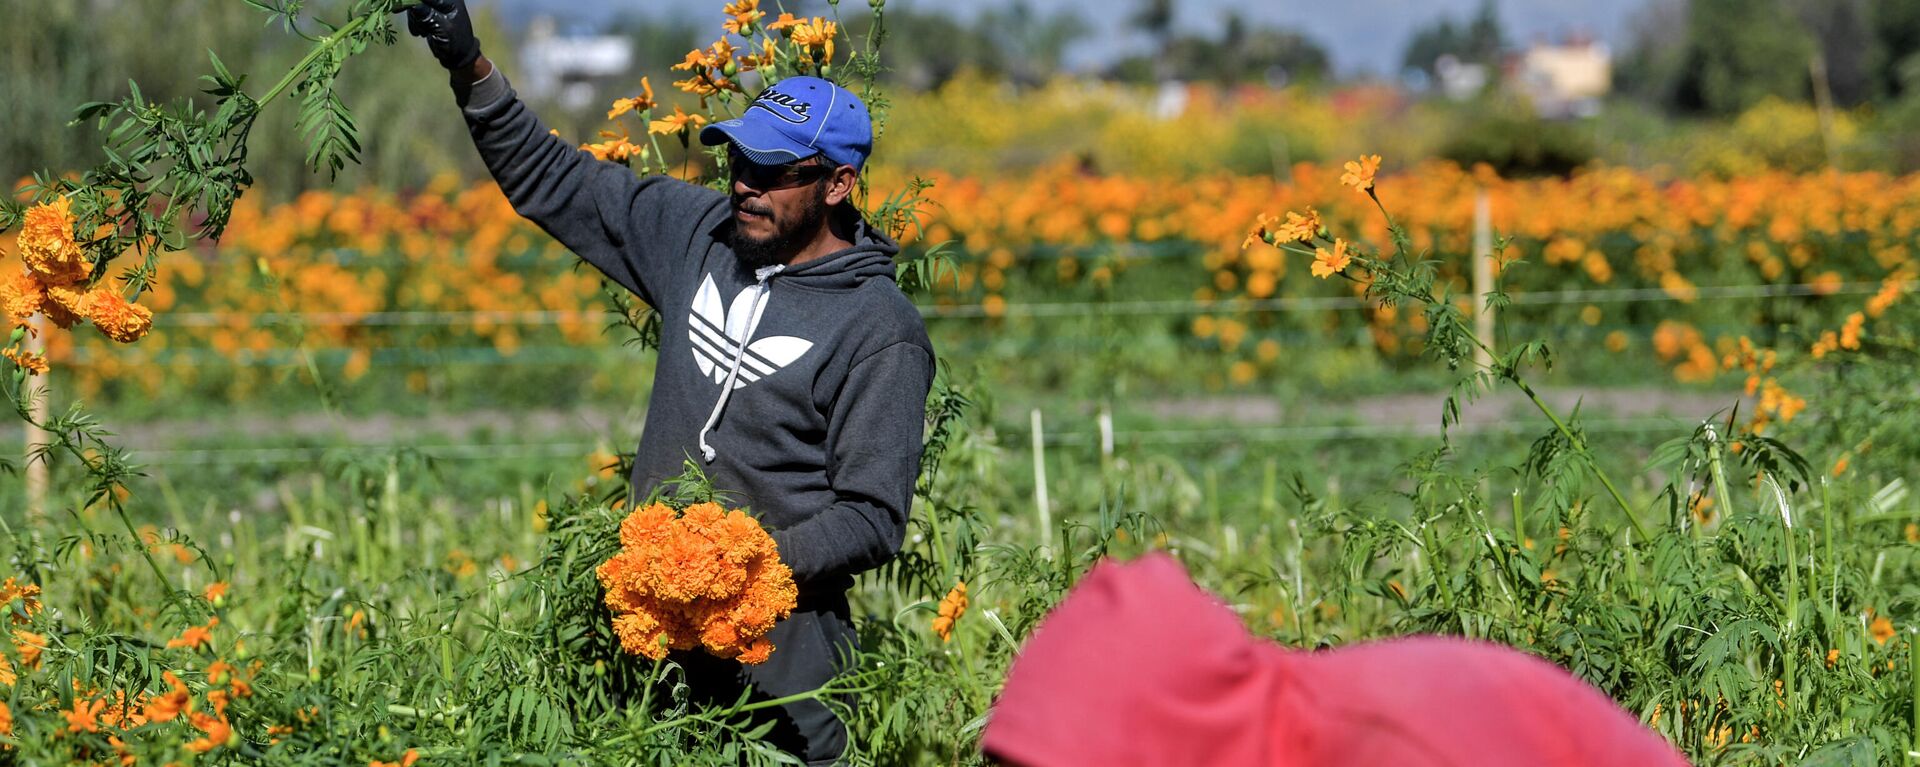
column 770, row 177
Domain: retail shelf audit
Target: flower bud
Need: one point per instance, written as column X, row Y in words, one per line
column 877, row 4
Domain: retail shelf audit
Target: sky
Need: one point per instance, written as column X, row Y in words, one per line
column 1362, row 36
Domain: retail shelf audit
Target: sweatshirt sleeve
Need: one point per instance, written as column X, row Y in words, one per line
column 633, row 229
column 874, row 437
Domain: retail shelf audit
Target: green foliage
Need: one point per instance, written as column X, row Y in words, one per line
column 1516, row 144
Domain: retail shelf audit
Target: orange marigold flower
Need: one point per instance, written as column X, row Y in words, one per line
column 406, row 760
column 616, row 148
column 27, row 594
column 1833, row 656
column 34, row 364
column 785, row 22
column 696, row 60
column 952, row 606
column 701, row 578
column 640, row 103
column 85, row 716
column 47, row 246
column 167, row 705
column 195, row 637
column 1850, row 332
column 28, row 645
column 65, row 306
column 1881, row 629
column 216, row 591
column 217, row 730
column 21, row 296
column 1328, row 263
column 677, row 123
column 1360, row 173
column 6, row 719
column 120, row 319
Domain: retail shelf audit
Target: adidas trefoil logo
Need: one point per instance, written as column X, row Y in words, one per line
column 716, row 331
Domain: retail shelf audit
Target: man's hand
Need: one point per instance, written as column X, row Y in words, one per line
column 448, row 28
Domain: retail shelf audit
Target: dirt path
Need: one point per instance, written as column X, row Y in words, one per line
column 504, row 433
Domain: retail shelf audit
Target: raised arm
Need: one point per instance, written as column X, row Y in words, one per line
column 635, row 230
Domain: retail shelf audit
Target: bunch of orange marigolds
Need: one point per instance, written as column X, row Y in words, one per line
column 53, row 282
column 702, row 578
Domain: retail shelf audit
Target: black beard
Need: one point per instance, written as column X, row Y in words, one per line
column 787, row 238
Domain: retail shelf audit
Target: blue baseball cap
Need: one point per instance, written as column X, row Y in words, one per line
column 798, row 118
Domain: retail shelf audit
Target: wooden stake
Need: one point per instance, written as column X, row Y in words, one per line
column 1040, row 482
column 1482, row 274
column 37, row 394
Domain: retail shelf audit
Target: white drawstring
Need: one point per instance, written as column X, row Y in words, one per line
column 733, row 371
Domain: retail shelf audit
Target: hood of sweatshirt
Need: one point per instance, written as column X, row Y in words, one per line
column 871, row 257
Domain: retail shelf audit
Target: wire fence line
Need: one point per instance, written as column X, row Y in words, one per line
column 1036, row 309
column 1012, row 439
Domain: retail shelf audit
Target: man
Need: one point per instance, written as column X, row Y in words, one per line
column 1199, row 689
column 791, row 367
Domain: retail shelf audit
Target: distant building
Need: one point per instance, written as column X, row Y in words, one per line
column 564, row 68
column 1459, row 80
column 1564, row 80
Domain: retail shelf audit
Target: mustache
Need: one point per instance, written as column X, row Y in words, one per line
column 759, row 210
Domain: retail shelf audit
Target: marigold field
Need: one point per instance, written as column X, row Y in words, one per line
column 343, row 479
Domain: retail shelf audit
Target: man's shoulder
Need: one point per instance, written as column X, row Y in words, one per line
column 888, row 317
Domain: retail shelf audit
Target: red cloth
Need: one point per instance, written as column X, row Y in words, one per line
column 1138, row 666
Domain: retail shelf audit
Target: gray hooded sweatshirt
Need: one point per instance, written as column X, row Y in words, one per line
column 828, row 363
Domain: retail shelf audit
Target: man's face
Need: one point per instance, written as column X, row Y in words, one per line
column 777, row 209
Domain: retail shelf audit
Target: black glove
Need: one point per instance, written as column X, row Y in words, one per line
column 448, row 28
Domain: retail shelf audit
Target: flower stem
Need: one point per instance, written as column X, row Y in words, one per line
column 325, row 44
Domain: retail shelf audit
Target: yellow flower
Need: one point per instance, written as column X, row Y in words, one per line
column 677, row 123
column 785, row 22
column 1360, row 174
column 1261, row 231
column 1328, row 263
column 615, row 148
column 640, row 103
column 1300, row 227
column 817, row 34
column 741, row 15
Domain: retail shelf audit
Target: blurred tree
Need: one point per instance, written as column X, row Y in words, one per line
column 1479, row 41
column 1656, row 53
column 1896, row 24
column 1849, row 49
column 924, row 50
column 1740, row 52
column 1242, row 54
